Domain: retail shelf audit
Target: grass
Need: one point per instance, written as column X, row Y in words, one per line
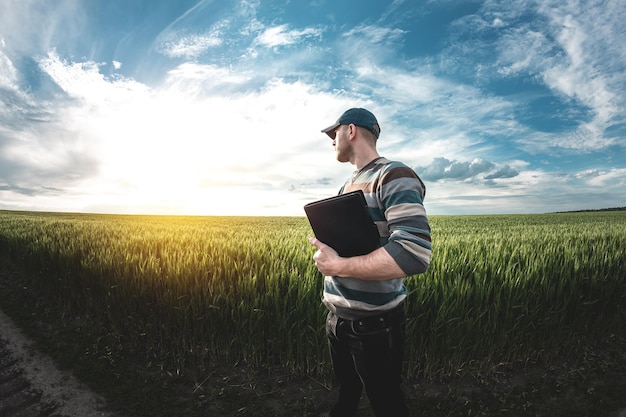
column 181, row 313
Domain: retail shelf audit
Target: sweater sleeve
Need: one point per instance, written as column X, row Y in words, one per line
column 402, row 194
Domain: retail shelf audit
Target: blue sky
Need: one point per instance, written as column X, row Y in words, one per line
column 215, row 107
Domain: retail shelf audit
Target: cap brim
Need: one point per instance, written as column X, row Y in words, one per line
column 330, row 129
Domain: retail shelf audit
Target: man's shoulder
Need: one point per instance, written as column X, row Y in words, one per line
column 385, row 165
column 400, row 173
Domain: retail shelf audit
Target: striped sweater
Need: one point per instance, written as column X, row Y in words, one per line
column 394, row 195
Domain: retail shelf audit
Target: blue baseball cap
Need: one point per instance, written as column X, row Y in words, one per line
column 356, row 116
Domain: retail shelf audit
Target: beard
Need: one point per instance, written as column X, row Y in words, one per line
column 344, row 153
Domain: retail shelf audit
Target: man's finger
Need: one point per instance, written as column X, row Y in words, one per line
column 313, row 241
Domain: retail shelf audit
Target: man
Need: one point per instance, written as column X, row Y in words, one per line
column 365, row 294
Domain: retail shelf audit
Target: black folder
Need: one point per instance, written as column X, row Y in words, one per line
column 344, row 223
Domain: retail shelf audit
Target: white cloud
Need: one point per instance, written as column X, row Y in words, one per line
column 161, row 149
column 477, row 169
column 522, row 50
column 196, row 79
column 604, row 177
column 574, row 47
column 532, row 191
column 85, row 81
column 400, row 85
column 189, row 45
column 376, row 34
column 281, row 36
column 8, row 73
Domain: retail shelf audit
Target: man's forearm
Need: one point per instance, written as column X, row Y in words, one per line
column 377, row 265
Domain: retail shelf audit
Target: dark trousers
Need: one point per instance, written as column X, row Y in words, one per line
column 368, row 353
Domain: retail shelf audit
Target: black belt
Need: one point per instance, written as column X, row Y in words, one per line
column 380, row 319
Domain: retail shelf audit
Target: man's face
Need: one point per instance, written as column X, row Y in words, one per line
column 343, row 147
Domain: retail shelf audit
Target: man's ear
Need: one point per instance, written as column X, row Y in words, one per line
column 352, row 129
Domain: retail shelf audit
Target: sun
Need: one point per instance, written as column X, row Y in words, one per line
column 166, row 160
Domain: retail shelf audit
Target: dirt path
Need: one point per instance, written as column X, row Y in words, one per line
column 32, row 386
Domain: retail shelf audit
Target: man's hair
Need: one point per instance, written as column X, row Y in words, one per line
column 368, row 135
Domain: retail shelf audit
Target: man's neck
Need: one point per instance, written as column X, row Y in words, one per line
column 361, row 160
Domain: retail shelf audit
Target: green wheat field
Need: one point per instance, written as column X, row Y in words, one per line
column 500, row 289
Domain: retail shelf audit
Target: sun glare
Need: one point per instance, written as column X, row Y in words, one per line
column 169, row 156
